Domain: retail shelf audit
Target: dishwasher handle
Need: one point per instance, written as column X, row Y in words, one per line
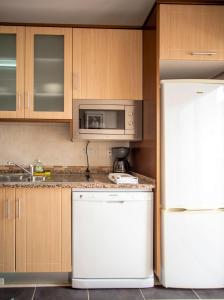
column 115, row 201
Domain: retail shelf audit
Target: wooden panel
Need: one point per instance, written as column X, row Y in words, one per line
column 29, row 75
column 20, row 46
column 7, row 230
column 157, row 211
column 186, row 30
column 38, row 230
column 66, row 264
column 146, row 154
column 107, row 64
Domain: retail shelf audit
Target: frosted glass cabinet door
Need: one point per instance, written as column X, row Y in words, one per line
column 11, row 72
column 48, row 73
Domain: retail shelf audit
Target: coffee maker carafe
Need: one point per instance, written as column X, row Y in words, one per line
column 121, row 164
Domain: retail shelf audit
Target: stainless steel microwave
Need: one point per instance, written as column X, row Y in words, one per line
column 107, row 119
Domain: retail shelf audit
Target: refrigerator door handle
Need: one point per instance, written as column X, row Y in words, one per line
column 174, row 209
column 191, row 210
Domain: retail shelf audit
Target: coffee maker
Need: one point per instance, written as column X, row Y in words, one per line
column 121, row 164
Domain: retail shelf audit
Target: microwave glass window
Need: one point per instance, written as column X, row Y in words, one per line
column 101, row 119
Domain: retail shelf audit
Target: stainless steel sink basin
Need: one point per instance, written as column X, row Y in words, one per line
column 20, row 177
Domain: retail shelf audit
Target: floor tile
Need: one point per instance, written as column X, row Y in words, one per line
column 56, row 293
column 160, row 292
column 210, row 293
column 115, row 294
column 16, row 293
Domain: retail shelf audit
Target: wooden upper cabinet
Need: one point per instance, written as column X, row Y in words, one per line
column 48, row 74
column 7, row 230
column 43, row 230
column 12, row 45
column 191, row 32
column 107, row 64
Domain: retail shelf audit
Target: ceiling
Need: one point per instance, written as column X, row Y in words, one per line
column 88, row 12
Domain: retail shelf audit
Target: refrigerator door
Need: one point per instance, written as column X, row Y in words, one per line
column 192, row 145
column 192, row 249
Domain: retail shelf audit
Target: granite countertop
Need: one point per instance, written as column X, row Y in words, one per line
column 80, row 181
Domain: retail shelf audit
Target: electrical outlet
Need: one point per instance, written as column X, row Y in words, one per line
column 109, row 153
column 2, row 281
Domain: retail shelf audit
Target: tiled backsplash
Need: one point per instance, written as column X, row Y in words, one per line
column 25, row 142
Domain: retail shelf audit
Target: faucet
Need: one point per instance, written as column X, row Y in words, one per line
column 30, row 171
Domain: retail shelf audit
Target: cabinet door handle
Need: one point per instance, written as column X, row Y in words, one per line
column 18, row 208
column 204, row 53
column 28, row 100
column 19, row 98
column 75, row 81
column 7, row 208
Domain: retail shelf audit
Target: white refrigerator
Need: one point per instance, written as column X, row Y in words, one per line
column 192, row 176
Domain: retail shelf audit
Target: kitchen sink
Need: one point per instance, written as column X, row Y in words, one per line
column 20, row 177
column 56, row 178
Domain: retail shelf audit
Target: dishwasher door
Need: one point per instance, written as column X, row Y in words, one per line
column 112, row 234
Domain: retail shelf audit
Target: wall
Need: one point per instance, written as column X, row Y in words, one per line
column 25, row 142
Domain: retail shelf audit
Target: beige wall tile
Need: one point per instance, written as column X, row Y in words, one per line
column 25, row 142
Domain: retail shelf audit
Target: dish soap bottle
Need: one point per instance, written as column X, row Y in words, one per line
column 38, row 167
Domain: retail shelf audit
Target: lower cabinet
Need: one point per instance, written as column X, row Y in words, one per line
column 41, row 229
column 7, row 230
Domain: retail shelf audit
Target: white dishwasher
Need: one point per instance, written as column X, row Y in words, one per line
column 112, row 238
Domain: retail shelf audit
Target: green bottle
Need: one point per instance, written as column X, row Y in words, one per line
column 38, row 167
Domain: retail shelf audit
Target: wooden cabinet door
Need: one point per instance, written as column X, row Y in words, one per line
column 40, row 224
column 7, row 230
column 12, row 41
column 107, row 64
column 191, row 32
column 48, row 77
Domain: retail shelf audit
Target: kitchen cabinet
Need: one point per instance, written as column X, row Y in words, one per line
column 107, row 64
column 35, row 232
column 48, row 74
column 191, row 32
column 38, row 86
column 7, row 229
column 38, row 78
column 42, row 215
column 12, row 44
